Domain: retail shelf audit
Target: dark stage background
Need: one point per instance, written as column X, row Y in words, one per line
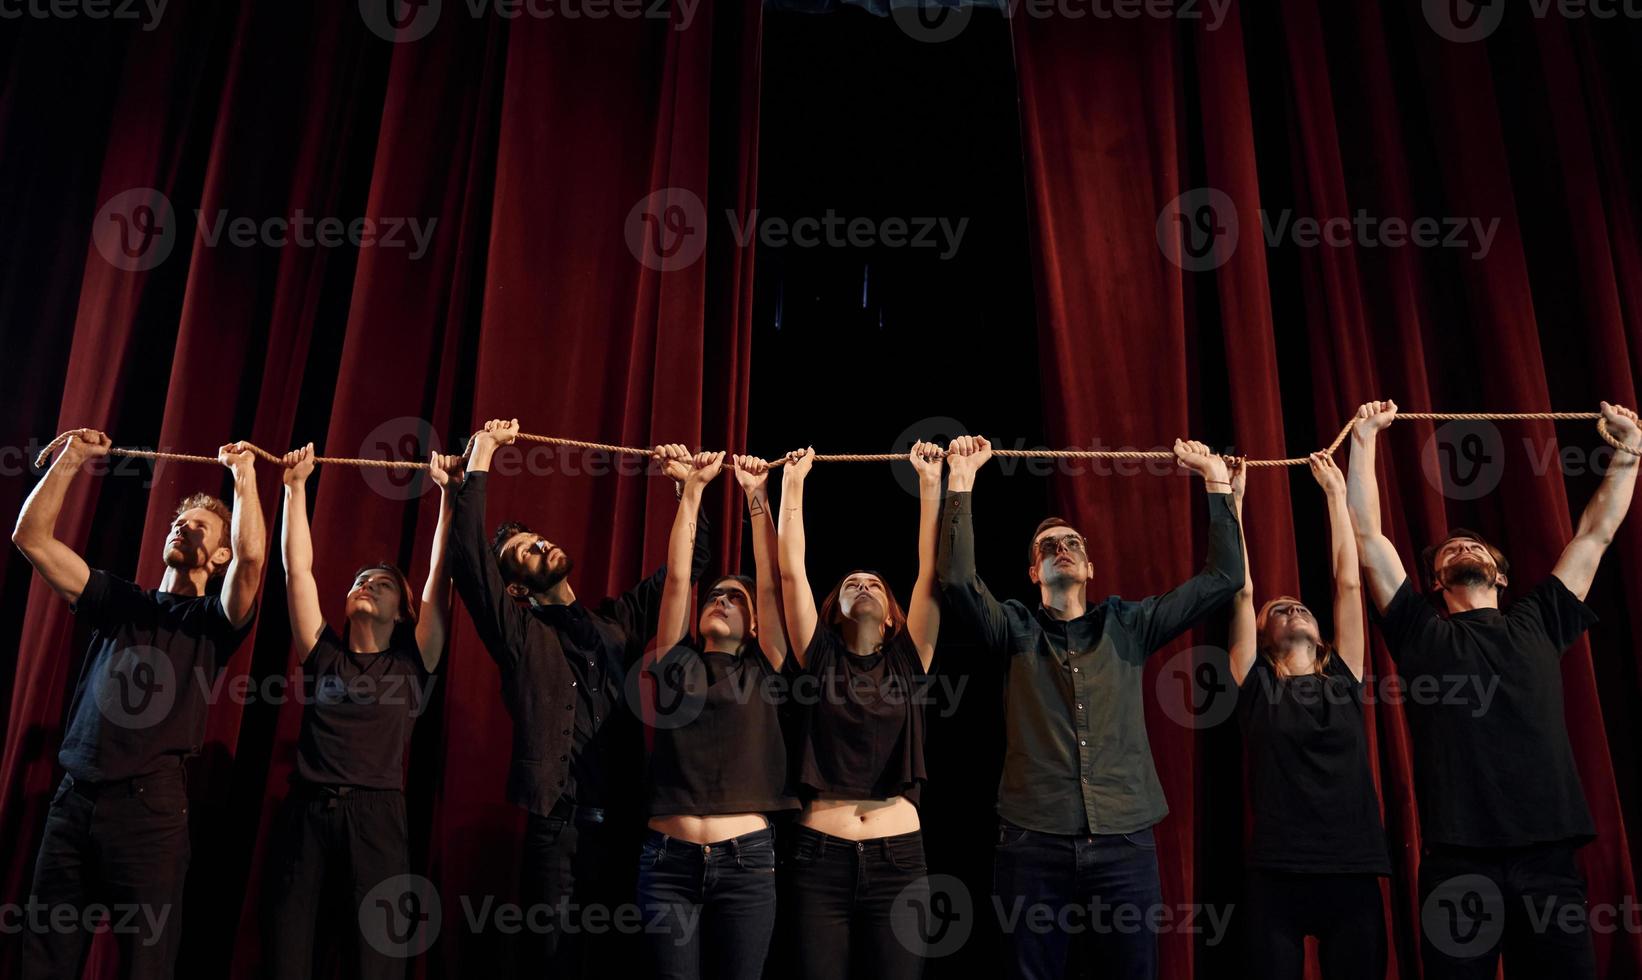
column 1058, row 320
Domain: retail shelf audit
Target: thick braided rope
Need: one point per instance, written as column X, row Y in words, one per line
column 1601, row 428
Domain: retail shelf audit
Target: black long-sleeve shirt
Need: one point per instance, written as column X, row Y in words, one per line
column 1077, row 759
column 562, row 668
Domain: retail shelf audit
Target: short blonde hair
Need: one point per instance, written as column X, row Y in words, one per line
column 224, row 513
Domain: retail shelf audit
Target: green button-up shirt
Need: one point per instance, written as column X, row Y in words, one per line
column 1077, row 759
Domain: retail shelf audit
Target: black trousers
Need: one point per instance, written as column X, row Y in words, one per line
column 1344, row 912
column 709, row 909
column 120, row 847
column 577, row 886
column 329, row 852
column 1525, row 902
column 855, row 905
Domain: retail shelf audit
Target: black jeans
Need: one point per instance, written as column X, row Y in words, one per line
column 577, row 889
column 1101, row 886
column 1528, row 902
column 123, row 846
column 709, row 909
column 1343, row 911
column 856, row 905
column 329, row 852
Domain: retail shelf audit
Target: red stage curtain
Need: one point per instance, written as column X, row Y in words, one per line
column 524, row 144
column 1327, row 108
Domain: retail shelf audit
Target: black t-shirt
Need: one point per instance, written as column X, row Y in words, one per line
column 1311, row 791
column 718, row 746
column 140, row 703
column 1493, row 766
column 861, row 720
column 358, row 712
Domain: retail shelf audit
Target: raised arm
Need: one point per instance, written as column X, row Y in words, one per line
column 36, row 532
column 924, row 609
column 297, row 554
column 1376, row 552
column 961, row 585
column 433, row 626
column 673, row 622
column 1350, row 630
column 496, row 616
column 1244, row 643
column 638, row 610
column 244, row 576
column 753, row 474
column 1601, row 518
column 797, row 601
column 1168, row 615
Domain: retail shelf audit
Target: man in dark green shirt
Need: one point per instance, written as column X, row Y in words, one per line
column 1079, row 793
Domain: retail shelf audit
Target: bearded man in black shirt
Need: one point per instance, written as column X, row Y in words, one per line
column 577, row 754
column 1501, row 808
column 117, row 829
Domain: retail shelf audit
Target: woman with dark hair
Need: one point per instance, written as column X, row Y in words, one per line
column 342, row 826
column 717, row 763
column 1317, row 851
column 858, row 855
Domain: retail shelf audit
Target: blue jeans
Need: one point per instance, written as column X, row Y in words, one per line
column 709, row 909
column 1050, row 887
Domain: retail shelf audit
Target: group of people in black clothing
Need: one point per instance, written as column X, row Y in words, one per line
column 1497, row 787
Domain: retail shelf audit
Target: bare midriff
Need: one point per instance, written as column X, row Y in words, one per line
column 861, row 819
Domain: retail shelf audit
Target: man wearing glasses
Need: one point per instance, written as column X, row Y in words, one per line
column 1079, row 793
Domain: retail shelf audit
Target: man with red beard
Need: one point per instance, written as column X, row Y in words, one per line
column 577, row 754
column 117, row 830
column 1501, row 807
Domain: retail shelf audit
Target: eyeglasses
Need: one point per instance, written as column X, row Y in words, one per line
column 1051, row 546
